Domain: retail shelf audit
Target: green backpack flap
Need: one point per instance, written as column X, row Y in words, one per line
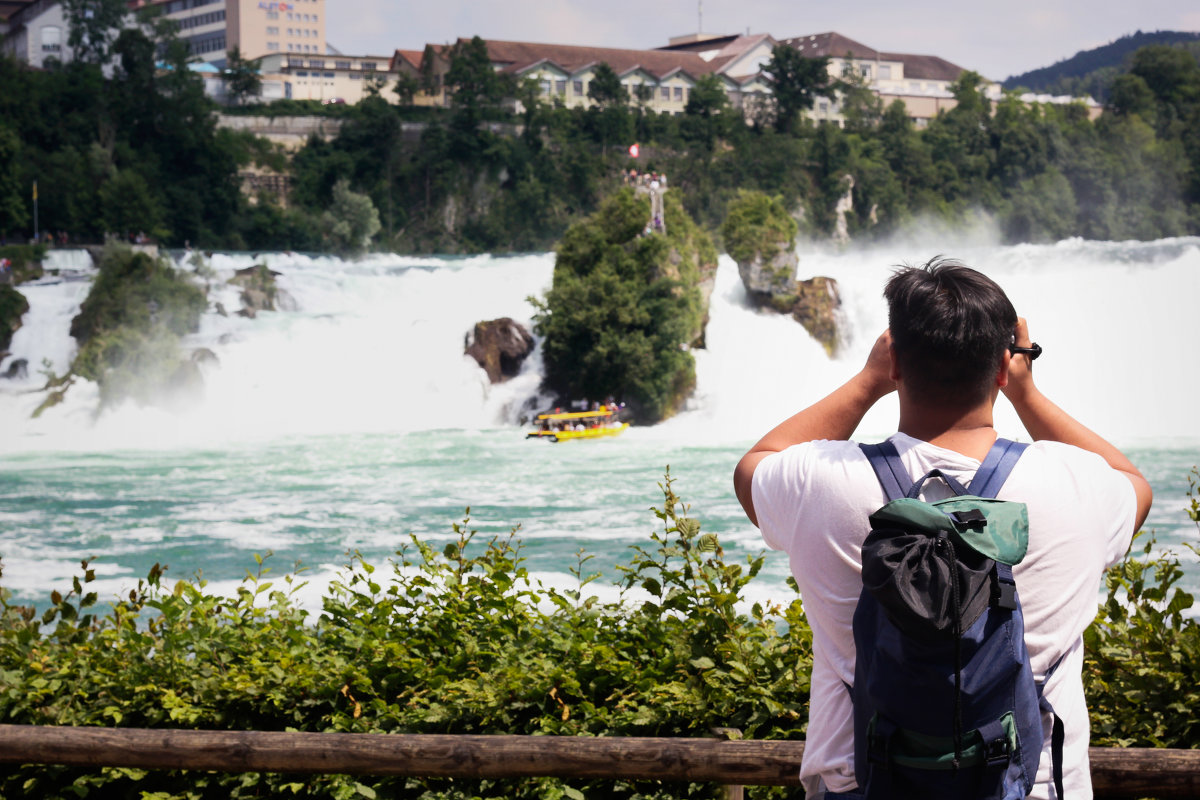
column 919, row 582
column 1003, row 535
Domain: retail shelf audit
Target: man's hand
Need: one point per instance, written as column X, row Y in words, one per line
column 877, row 372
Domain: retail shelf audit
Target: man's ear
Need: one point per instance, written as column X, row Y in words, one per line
column 894, row 371
column 1002, row 373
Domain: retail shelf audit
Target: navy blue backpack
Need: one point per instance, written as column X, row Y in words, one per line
column 945, row 703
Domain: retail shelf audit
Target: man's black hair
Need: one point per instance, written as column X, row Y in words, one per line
column 950, row 326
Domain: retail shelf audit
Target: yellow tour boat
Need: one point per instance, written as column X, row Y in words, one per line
column 561, row 427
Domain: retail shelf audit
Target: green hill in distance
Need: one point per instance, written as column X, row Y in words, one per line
column 1089, row 72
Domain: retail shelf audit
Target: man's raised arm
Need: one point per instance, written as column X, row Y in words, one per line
column 1045, row 420
column 833, row 417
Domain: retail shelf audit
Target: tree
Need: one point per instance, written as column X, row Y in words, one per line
column 351, row 219
column 605, row 88
column 93, row 26
column 242, row 80
column 796, row 82
column 861, row 107
column 705, row 112
column 473, row 82
column 406, row 88
column 13, row 214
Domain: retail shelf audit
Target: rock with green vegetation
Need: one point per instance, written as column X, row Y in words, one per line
column 760, row 235
column 129, row 330
column 13, row 306
column 625, row 307
column 259, row 290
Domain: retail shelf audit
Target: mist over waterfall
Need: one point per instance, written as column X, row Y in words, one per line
column 377, row 346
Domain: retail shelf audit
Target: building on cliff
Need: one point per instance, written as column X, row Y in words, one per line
column 660, row 80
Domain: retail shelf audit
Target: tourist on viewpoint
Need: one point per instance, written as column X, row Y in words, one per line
column 954, row 343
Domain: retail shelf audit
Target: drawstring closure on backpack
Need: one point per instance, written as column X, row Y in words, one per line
column 956, row 601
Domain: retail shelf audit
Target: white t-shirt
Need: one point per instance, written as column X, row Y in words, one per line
column 812, row 501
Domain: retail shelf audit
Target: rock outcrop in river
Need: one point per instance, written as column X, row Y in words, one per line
column 500, row 346
column 760, row 236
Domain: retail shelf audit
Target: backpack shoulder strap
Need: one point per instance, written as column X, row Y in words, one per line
column 996, row 467
column 890, row 470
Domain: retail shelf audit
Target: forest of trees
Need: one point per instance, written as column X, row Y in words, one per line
column 141, row 152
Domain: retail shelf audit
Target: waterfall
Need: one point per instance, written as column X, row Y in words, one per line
column 377, row 346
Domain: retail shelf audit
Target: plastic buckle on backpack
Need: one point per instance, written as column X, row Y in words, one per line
column 997, row 752
column 971, row 518
column 1004, row 595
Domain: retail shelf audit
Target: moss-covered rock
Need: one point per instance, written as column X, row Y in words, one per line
column 626, row 305
column 760, row 235
column 259, row 290
column 129, row 330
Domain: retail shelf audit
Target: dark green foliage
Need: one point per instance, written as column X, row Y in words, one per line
column 13, row 306
column 605, row 87
column 456, row 639
column 622, row 307
column 796, row 82
column 241, row 77
column 1142, row 665
column 25, row 261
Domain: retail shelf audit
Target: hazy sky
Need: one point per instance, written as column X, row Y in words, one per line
column 997, row 39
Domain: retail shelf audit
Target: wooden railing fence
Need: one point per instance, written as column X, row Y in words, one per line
column 1116, row 772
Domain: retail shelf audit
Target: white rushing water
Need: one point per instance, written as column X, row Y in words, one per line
column 353, row 417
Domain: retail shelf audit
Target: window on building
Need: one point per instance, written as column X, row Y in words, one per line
column 341, row 64
column 51, row 39
column 847, row 69
column 291, row 16
column 368, row 65
column 823, row 107
column 545, row 84
column 666, row 93
column 679, row 93
column 272, row 15
column 301, row 73
column 356, row 76
column 290, row 47
column 289, row 33
column 865, row 69
column 272, row 30
column 272, row 46
column 560, row 87
column 577, row 87
column 329, row 75
column 315, row 62
column 885, row 72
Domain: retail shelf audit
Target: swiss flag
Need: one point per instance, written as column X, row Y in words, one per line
column 633, row 150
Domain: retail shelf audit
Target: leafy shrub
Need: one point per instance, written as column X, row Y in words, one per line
column 13, row 306
column 461, row 640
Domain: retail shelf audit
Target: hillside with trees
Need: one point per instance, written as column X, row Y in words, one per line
column 502, row 169
column 1089, row 72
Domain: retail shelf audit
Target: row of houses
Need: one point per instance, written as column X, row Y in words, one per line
column 287, row 42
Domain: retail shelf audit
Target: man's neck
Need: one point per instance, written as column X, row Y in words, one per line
column 967, row 431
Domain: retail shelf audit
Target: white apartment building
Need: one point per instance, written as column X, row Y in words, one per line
column 257, row 28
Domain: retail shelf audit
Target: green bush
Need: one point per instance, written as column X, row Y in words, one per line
column 458, row 640
column 461, row 640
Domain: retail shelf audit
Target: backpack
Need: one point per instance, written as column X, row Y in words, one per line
column 945, row 702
